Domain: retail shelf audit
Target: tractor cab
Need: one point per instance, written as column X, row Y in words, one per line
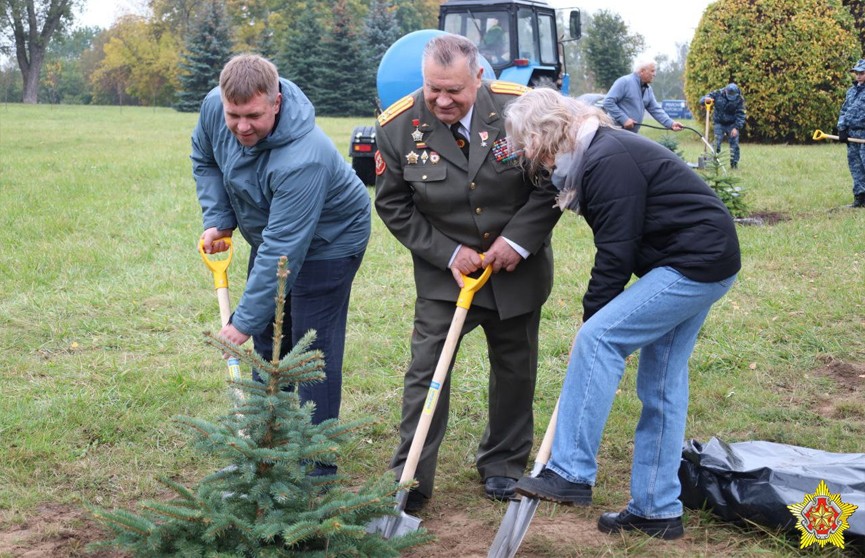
column 518, row 38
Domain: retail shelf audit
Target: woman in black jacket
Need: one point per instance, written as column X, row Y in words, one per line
column 654, row 218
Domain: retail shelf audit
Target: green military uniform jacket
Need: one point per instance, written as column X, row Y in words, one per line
column 432, row 199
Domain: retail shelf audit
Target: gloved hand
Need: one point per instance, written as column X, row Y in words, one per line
column 843, row 136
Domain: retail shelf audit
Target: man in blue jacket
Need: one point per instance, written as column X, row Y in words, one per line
column 263, row 166
column 631, row 96
column 728, row 118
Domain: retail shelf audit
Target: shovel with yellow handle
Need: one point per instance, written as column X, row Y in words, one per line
column 819, row 135
column 218, row 265
column 709, row 102
column 402, row 523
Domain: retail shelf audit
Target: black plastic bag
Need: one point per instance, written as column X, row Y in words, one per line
column 758, row 480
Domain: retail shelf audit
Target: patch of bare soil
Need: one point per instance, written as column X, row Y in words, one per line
column 845, row 401
column 848, row 376
column 54, row 531
column 763, row 218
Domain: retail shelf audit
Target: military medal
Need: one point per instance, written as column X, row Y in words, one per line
column 502, row 151
column 412, row 158
column 424, row 157
column 484, row 137
column 433, row 157
column 417, row 135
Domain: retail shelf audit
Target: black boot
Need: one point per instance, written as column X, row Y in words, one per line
column 859, row 200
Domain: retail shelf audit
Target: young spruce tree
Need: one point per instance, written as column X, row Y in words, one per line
column 265, row 503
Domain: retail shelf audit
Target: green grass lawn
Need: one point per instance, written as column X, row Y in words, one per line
column 105, row 298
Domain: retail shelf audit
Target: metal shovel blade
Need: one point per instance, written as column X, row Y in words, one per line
column 520, row 511
column 501, row 542
column 525, row 513
column 390, row 526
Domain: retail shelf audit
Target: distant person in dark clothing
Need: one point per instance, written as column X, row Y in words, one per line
column 851, row 124
column 728, row 118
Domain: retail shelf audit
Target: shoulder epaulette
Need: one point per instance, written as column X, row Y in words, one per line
column 508, row 88
column 395, row 110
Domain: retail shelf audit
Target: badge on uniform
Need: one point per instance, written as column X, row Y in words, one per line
column 502, row 151
column 412, row 158
column 417, row 135
column 434, row 157
column 380, row 165
column 484, row 135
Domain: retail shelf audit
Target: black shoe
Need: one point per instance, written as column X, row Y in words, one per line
column 734, row 165
column 858, row 200
column 667, row 529
column 415, row 501
column 499, row 488
column 551, row 486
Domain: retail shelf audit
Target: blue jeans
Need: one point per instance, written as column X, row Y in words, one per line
column 661, row 315
column 318, row 300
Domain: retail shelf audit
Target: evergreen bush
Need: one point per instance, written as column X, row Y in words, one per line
column 726, row 186
column 265, row 502
column 791, row 58
column 208, row 48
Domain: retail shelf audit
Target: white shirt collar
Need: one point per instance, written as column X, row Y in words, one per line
column 466, row 121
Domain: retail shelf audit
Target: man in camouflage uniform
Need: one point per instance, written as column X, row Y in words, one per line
column 728, row 118
column 448, row 190
column 851, row 124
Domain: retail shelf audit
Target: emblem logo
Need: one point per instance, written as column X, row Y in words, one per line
column 822, row 517
column 380, row 165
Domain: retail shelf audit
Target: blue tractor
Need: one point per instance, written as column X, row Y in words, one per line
column 518, row 39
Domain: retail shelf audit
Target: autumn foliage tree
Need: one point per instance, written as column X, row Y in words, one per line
column 26, row 28
column 791, row 58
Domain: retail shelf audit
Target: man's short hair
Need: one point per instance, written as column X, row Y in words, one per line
column 444, row 50
column 247, row 75
column 643, row 63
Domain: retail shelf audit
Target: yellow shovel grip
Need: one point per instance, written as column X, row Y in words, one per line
column 819, row 135
column 217, row 267
column 709, row 102
column 471, row 286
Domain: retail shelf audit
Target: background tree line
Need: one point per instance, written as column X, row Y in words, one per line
column 173, row 56
column 787, row 54
column 331, row 50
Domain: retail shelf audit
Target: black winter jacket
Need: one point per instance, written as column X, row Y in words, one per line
column 648, row 209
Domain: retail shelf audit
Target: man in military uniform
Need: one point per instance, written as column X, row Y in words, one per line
column 728, row 118
column 851, row 124
column 449, row 195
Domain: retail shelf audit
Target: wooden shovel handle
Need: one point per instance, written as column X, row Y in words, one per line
column 546, row 447
column 471, row 286
column 819, row 135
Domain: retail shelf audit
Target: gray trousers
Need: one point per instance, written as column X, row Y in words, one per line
column 513, row 352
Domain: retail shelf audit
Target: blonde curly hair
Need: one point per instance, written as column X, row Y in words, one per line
column 543, row 122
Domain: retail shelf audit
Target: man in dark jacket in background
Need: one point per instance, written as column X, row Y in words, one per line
column 728, row 118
